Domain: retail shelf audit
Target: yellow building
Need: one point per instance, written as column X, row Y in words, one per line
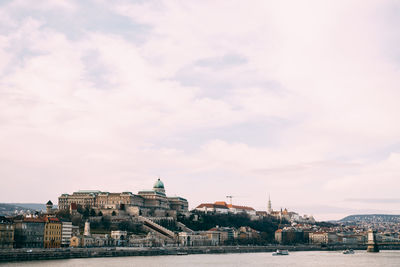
column 52, row 233
column 75, row 242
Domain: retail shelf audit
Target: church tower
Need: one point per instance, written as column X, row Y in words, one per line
column 49, row 207
column 269, row 204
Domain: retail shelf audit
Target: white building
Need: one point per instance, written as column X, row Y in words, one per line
column 224, row 208
column 119, row 237
column 66, row 233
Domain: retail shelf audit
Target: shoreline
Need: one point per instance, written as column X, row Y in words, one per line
column 15, row 255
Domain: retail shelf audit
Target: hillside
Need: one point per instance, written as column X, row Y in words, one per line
column 13, row 208
column 371, row 218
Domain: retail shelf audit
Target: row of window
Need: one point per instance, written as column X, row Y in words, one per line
column 52, row 232
column 6, row 234
column 53, row 238
column 53, row 226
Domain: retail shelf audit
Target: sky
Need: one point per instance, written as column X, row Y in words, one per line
column 296, row 100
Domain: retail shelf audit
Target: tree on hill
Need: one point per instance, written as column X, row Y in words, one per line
column 86, row 212
column 63, row 215
column 76, row 220
column 267, row 226
column 92, row 212
column 105, row 222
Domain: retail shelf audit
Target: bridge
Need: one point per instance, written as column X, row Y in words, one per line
column 376, row 240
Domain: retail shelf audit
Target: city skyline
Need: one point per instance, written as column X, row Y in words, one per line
column 217, row 98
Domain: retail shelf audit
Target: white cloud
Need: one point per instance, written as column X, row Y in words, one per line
column 101, row 107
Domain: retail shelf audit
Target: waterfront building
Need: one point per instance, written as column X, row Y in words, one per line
column 66, row 233
column 323, row 238
column 119, row 237
column 6, row 233
column 289, row 236
column 149, row 240
column 87, row 241
column 102, row 240
column 75, row 230
column 193, row 239
column 52, row 233
column 351, row 238
column 246, row 232
column 29, row 233
column 224, row 234
column 213, row 236
column 75, row 242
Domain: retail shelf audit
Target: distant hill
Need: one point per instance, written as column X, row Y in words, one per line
column 371, row 218
column 31, row 206
column 13, row 208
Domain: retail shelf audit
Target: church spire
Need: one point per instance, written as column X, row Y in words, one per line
column 269, row 204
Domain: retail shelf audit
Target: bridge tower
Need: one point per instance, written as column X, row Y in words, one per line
column 372, row 246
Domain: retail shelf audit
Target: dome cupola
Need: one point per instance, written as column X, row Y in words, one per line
column 159, row 186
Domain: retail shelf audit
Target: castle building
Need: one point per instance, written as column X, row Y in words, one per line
column 154, row 201
column 84, row 198
column 288, row 215
column 155, row 198
column 106, row 200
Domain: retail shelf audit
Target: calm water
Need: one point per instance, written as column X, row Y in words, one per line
column 315, row 258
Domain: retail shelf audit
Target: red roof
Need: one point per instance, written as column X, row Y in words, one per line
column 52, row 219
column 223, row 205
column 35, row 220
column 240, row 207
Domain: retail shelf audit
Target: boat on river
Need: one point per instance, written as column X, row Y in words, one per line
column 280, row 252
column 348, row 251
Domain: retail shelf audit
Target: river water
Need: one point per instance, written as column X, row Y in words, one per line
column 301, row 258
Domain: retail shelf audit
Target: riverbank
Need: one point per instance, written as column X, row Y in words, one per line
column 70, row 253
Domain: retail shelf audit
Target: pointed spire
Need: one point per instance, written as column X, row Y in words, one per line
column 269, row 204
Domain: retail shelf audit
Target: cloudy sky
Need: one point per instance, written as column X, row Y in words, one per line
column 296, row 99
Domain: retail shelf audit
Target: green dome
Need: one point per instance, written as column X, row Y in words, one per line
column 158, row 184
